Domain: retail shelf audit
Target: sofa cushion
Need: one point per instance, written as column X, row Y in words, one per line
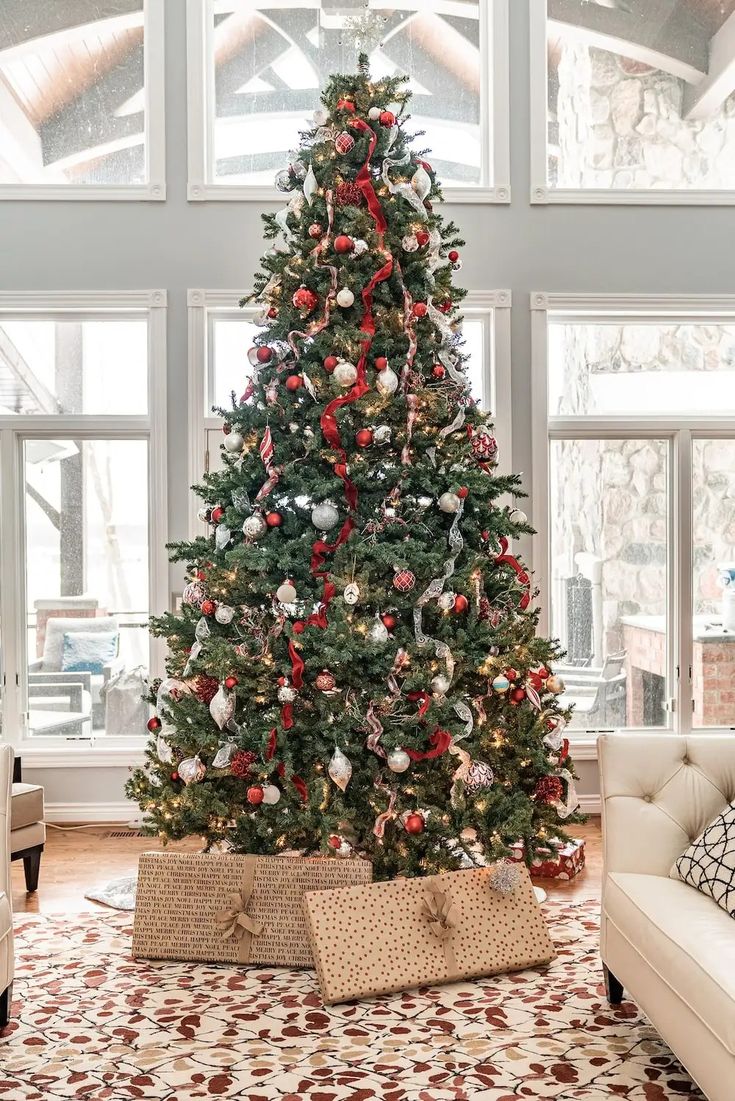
column 687, row 940
column 709, row 862
column 26, row 805
column 58, row 626
column 88, row 651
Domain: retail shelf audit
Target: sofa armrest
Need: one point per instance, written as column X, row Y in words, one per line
column 659, row 791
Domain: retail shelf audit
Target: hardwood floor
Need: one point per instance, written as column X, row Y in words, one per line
column 75, row 861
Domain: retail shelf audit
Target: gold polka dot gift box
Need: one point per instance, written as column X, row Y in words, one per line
column 228, row 908
column 390, row 936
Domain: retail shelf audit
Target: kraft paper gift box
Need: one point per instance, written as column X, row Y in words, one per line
column 229, row 908
column 390, row 936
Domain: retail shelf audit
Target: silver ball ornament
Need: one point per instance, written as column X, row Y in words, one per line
column 271, row 795
column 233, row 442
column 286, row 593
column 382, row 434
column 379, row 632
column 449, row 502
column 345, row 298
column 398, row 760
column 344, row 373
column 387, row 382
column 324, row 516
column 440, row 684
column 446, row 601
column 224, row 614
column 374, row 113
column 254, row 527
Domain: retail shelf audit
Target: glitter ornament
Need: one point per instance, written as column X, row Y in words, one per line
column 345, row 374
column 340, row 769
column 191, row 770
column 224, row 614
column 501, row 684
column 479, row 778
column 286, row 694
column 378, row 632
column 398, row 760
column 205, row 688
column 446, row 601
column 324, row 681
column 316, row 231
column 255, row 795
column 305, row 300
column 438, row 371
column 208, row 607
column 505, row 877
column 286, row 592
column 425, row 502
column 351, row 595
column 345, row 104
column 271, row 795
column 193, row 593
column 403, row 580
column 382, row 434
column 449, row 502
column 549, row 789
column 348, row 194
column 222, row 707
column 344, row 142
column 320, row 117
column 233, row 442
column 324, row 516
column 360, row 247
column 254, row 527
column 387, row 382
column 345, row 298
column 409, row 243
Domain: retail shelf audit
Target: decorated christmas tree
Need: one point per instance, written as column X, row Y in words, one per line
column 355, row 669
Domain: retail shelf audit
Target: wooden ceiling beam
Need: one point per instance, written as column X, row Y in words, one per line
column 62, row 23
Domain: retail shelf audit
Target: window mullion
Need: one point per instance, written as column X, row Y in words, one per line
column 680, row 565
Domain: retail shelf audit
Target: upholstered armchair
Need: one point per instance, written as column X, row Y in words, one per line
column 7, row 963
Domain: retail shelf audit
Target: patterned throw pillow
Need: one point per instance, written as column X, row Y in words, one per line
column 88, row 651
column 709, row 862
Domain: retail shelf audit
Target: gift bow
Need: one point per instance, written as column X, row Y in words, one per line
column 444, row 917
column 238, row 925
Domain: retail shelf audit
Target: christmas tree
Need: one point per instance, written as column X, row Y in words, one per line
column 355, row 669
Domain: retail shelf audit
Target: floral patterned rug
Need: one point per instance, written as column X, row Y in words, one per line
column 90, row 1022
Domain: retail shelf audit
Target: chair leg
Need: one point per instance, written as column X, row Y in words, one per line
column 6, row 999
column 32, row 866
column 613, row 986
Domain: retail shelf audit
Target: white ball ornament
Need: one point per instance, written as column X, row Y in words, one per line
column 387, row 382
column 324, row 516
column 440, row 685
column 233, row 442
column 224, row 614
column 320, row 116
column 449, row 502
column 271, row 795
column 518, row 516
column 374, row 113
column 446, row 601
column 286, row 593
column 410, row 243
column 345, row 298
column 425, row 502
column 382, row 434
column 254, row 527
column 286, row 694
column 359, row 247
column 398, row 760
column 345, row 373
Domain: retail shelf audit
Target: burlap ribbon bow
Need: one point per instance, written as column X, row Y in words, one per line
column 443, row 918
column 237, row 923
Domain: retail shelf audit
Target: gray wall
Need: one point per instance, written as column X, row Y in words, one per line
column 177, row 245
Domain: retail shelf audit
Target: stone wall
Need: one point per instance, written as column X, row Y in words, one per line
column 617, row 124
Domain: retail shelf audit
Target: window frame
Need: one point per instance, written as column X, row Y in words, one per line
column 492, row 307
column 154, row 190
column 679, row 432
column 494, row 114
column 59, row 751
column 541, row 192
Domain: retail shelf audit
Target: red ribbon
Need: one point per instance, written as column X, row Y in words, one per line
column 287, row 716
column 425, row 700
column 439, row 741
column 505, row 559
column 297, row 665
column 363, row 181
column 301, row 787
column 320, row 549
column 270, row 748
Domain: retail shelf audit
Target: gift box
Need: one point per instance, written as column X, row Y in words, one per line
column 229, row 908
column 557, row 860
column 404, row 933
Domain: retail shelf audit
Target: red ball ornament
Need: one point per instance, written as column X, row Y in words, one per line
column 387, row 118
column 294, row 382
column 273, row 519
column 315, row 231
column 174, row 776
column 264, row 355
column 518, row 695
column 324, row 681
column 344, row 142
column 511, row 674
column 461, row 604
column 255, row 795
column 438, row 371
column 282, row 681
column 345, row 104
column 154, row 724
column 208, row 607
column 217, row 514
column 453, row 256
column 226, row 429
column 330, row 363
column 305, row 300
column 446, row 306
column 422, row 237
column 414, row 823
column 404, row 581
column 381, row 363
column 334, row 841
column 420, row 309
column 343, row 243
column 364, row 437
column 231, row 682
column 273, row 312
column 462, row 492
column 389, row 621
column 543, row 673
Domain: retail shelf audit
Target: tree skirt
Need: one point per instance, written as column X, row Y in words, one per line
column 90, row 1022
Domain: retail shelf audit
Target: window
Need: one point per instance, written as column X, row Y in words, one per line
column 220, row 335
column 81, row 100
column 634, row 459
column 83, row 509
column 256, row 71
column 633, row 103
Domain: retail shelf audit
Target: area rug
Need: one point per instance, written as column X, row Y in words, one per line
column 90, row 1022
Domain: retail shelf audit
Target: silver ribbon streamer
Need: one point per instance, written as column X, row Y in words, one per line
column 404, row 189
column 463, row 712
column 570, row 804
column 434, row 591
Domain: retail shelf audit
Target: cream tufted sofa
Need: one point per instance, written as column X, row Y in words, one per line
column 670, row 947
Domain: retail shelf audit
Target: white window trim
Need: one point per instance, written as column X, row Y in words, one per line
column 493, row 306
column 494, row 117
column 541, row 193
column 39, row 752
column 155, row 133
column 677, row 430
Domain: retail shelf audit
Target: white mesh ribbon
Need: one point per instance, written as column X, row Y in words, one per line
column 434, row 591
column 403, row 188
column 569, row 805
